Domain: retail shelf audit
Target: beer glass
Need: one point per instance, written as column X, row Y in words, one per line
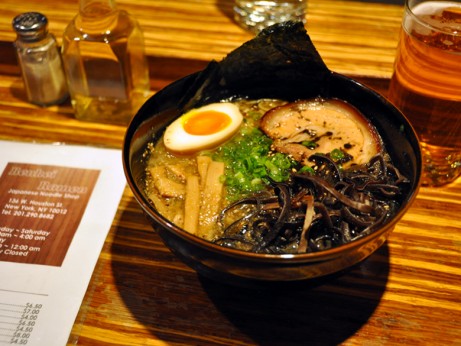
column 426, row 84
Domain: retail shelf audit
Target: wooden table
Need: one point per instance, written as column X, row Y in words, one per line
column 408, row 292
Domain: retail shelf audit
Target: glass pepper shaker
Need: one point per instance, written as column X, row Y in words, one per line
column 40, row 61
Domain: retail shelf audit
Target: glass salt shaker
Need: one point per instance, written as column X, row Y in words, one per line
column 40, row 61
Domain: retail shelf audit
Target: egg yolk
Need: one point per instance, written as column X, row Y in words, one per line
column 206, row 123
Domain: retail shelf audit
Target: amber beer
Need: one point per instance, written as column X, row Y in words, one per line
column 426, row 84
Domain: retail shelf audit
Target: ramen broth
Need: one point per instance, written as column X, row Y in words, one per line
column 278, row 211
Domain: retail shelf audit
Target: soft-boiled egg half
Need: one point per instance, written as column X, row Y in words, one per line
column 203, row 128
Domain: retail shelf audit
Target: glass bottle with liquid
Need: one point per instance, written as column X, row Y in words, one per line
column 105, row 63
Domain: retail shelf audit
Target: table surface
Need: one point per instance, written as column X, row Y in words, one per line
column 408, row 292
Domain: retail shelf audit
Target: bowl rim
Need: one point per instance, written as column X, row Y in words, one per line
column 288, row 258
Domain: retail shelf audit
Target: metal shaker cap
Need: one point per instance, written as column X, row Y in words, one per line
column 31, row 26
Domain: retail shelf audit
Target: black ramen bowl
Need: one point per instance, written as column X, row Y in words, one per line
column 230, row 265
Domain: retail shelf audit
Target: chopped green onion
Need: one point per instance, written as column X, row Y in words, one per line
column 307, row 169
column 337, row 154
column 250, row 164
column 310, row 144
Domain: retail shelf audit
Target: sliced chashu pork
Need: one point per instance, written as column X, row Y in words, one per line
column 330, row 124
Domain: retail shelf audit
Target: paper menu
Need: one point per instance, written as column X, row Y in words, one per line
column 57, row 204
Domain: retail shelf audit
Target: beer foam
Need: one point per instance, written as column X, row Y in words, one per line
column 431, row 7
column 429, row 16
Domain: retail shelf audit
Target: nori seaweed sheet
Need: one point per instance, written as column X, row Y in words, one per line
column 281, row 62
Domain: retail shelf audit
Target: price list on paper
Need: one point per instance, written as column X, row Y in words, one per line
column 18, row 321
column 51, row 233
column 41, row 207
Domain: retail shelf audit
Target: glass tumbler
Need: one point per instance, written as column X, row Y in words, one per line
column 256, row 15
